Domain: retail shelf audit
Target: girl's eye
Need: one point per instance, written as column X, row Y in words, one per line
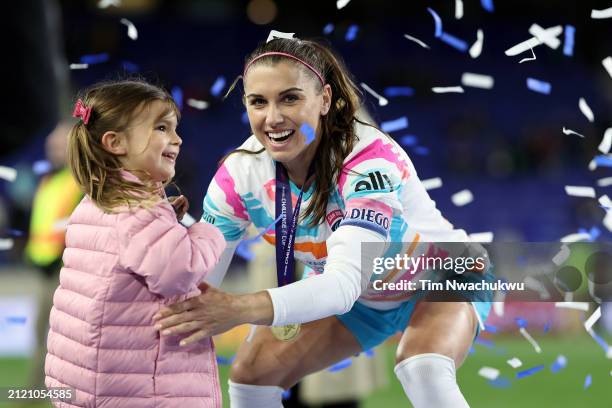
column 161, row 128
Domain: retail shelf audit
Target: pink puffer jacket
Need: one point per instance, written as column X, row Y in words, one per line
column 119, row 270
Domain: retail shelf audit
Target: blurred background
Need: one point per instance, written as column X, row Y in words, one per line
column 504, row 143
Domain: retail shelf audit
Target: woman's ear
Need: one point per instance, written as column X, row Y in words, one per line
column 114, row 143
column 327, row 97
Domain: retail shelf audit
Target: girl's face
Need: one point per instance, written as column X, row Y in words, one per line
column 152, row 144
column 281, row 98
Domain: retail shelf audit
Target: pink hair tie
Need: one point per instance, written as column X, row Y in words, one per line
column 81, row 111
column 284, row 54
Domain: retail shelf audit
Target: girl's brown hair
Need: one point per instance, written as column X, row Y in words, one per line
column 337, row 133
column 98, row 172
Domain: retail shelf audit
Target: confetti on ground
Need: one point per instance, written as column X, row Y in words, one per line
column 328, row 29
column 489, row 373
column 481, row 237
column 584, row 306
column 487, row 5
column 392, row 91
column 462, row 198
column 132, row 31
column 587, row 381
column 340, row 365
column 581, row 236
column 562, row 255
column 484, row 342
column 532, row 58
column 217, row 86
column 278, row 34
column 604, row 182
column 447, row 89
column 79, row 66
column 490, row 328
column 394, row 125
column 382, row 101
column 530, row 371
column 500, row 382
column 604, row 345
column 580, row 191
column 536, row 85
column 588, row 324
column 560, row 363
column 454, row 42
column 197, row 104
column 6, row 244
column 94, row 58
column 515, row 362
column 102, row 4
column 432, row 183
column 412, row 140
column 607, row 63
column 586, row 110
column 571, row 132
column 476, row 48
column 342, row 3
column 606, row 142
column 351, row 32
column 224, row 360
column 437, row 21
column 416, row 40
column 177, row 95
column 458, row 9
column 477, row 80
column 597, row 14
column 530, row 339
column 308, row 131
column 8, row 173
column 568, row 44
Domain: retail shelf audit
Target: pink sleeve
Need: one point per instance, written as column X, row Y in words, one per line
column 171, row 258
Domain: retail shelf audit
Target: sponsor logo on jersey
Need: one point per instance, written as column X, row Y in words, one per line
column 206, row 217
column 367, row 218
column 334, row 218
column 374, row 181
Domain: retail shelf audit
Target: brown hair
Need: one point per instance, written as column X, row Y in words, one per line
column 98, row 172
column 337, row 133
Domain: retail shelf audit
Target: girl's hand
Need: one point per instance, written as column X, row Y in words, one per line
column 180, row 204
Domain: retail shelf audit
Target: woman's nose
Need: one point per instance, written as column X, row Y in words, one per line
column 273, row 116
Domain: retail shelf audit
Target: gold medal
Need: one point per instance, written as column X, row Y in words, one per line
column 287, row 332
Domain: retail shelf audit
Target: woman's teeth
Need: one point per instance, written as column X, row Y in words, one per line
column 280, row 137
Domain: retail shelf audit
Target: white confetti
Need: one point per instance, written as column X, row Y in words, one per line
column 597, row 14
column 606, row 142
column 498, row 308
column 447, row 89
column 580, row 191
column 6, row 244
column 562, row 255
column 607, row 221
column 547, row 36
column 515, row 362
column 604, row 182
column 571, row 132
column 583, row 306
column 481, row 237
column 416, row 40
column 132, row 31
column 477, row 80
column 432, row 183
column 8, row 173
column 530, row 339
column 340, row 4
column 279, row 34
column 581, row 236
column 533, row 58
column 197, row 104
column 590, row 322
column 476, row 48
column 79, row 66
column 489, row 373
column 586, row 110
column 458, row 9
column 592, row 165
column 462, row 198
column 605, row 200
column 607, row 63
column 102, row 4
column 382, row 101
column 537, row 286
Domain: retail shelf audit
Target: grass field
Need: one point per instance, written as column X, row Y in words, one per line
column 541, row 390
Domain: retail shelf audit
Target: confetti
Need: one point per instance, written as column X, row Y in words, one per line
column 568, row 44
column 341, row 365
column 562, row 255
column 604, row 200
column 94, row 58
column 606, row 142
column 547, row 36
column 481, row 237
column 532, row 58
column 477, row 80
column 547, row 326
column 580, row 191
column 340, row 4
column 500, row 382
column 437, row 21
column 224, row 360
column 530, row 371
column 132, row 31
column 286, row 394
column 421, row 150
column 458, row 9
column 432, row 183
column 278, row 34
column 130, row 66
column 530, row 339
column 571, row 132
column 560, row 363
column 607, row 63
column 454, row 42
column 514, row 362
column 462, row 198
column 217, row 86
column 487, row 5
column 8, row 173
column 416, row 40
column 484, row 342
column 409, row 140
column 102, row 4
column 498, row 308
column 79, row 66
column 586, row 110
column 394, row 125
column 604, row 182
column 382, row 101
column 587, row 381
column 588, row 324
column 177, row 95
column 197, row 104
column 15, row 232
column 584, row 306
column 351, row 32
column 308, row 131
column 598, row 14
column 538, row 86
column 535, row 285
column 6, row 244
column 392, row 91
column 603, row 161
column 447, row 89
column 476, row 48
column 328, row 29
column 489, row 373
column 575, row 237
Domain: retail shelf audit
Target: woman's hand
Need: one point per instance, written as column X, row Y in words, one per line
column 180, row 204
column 213, row 312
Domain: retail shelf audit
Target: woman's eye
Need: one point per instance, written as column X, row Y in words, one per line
column 258, row 101
column 290, row 98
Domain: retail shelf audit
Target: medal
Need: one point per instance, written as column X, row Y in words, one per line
column 287, row 332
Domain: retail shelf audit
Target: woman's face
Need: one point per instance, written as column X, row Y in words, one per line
column 280, row 98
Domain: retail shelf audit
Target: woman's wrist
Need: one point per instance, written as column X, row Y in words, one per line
column 255, row 308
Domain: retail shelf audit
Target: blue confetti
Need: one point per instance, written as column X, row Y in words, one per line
column 490, row 328
column 538, row 86
column 521, row 322
column 218, row 86
column 94, row 58
column 500, row 382
column 568, row 44
column 393, row 125
column 129, row 66
column 530, row 371
column 392, row 91
column 421, row 150
column 559, row 364
column 438, row 21
column 454, row 42
column 471, row 350
column 599, row 341
column 308, row 131
column 547, row 326
column 177, row 95
column 603, row 161
column 369, row 353
column 351, row 33
column 16, row 320
column 341, row 365
column 245, row 118
column 484, row 342
column 487, row 5
column 587, row 381
column 243, row 250
column 41, row 167
column 225, row 361
column 328, row 29
column 287, row 394
column 15, row 232
column 408, row 140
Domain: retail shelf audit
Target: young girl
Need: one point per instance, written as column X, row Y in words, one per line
column 126, row 257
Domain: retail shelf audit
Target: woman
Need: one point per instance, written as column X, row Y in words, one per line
column 357, row 185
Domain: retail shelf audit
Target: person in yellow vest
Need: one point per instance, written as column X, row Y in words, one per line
column 56, row 197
